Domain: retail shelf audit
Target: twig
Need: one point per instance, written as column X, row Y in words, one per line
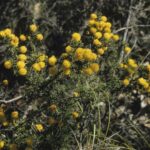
column 126, row 30
column 11, row 100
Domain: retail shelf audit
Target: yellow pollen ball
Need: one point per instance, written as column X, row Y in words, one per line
column 66, row 64
column 20, row 64
column 107, row 36
column 104, row 18
column 52, row 60
column 39, row 127
column 39, row 37
column 98, row 35
column 8, row 64
column 33, row 28
column 2, row 143
column 76, row 37
column 88, row 71
column 115, row 37
column 148, row 67
column 100, row 51
column 125, row 82
column 5, row 82
column 67, row 72
column 93, row 30
column 23, row 49
column 22, row 71
column 22, row 57
column 53, row 107
column 75, row 115
column 42, row 64
column 96, row 42
column 93, row 16
column 23, row 37
column 68, row 49
column 95, row 67
column 127, row 49
column 15, row 114
column 36, row 67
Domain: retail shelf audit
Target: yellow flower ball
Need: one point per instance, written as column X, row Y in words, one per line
column 15, row 115
column 5, row 82
column 107, row 36
column 104, row 18
column 76, row 37
column 93, row 16
column 75, row 115
column 21, row 64
column 39, row 37
column 22, row 57
column 126, row 82
column 108, row 30
column 66, row 64
column 5, row 123
column 22, row 71
column 91, row 22
column 98, row 35
column 8, row 64
column 33, row 28
column 132, row 63
column 52, row 60
column 79, row 54
column 67, row 72
column 68, row 49
column 108, row 25
column 39, row 127
column 36, row 67
column 23, row 49
column 53, row 108
column 42, row 57
column 2, row 34
column 101, row 24
column 100, row 51
column 115, row 37
column 2, row 144
column 42, row 64
column 96, row 42
column 2, row 115
column 93, row 30
column 22, row 37
column 7, row 32
column 88, row 71
column 95, row 67
column 127, row 49
column 143, row 82
column 14, row 41
column 148, row 67
column 76, row 94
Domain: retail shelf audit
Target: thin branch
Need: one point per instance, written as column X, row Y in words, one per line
column 11, row 100
column 124, row 28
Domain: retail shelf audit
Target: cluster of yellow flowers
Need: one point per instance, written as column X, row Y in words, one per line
column 132, row 68
column 21, row 51
column 100, row 28
column 4, row 120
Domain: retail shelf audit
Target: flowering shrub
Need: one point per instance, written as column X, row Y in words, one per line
column 57, row 99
